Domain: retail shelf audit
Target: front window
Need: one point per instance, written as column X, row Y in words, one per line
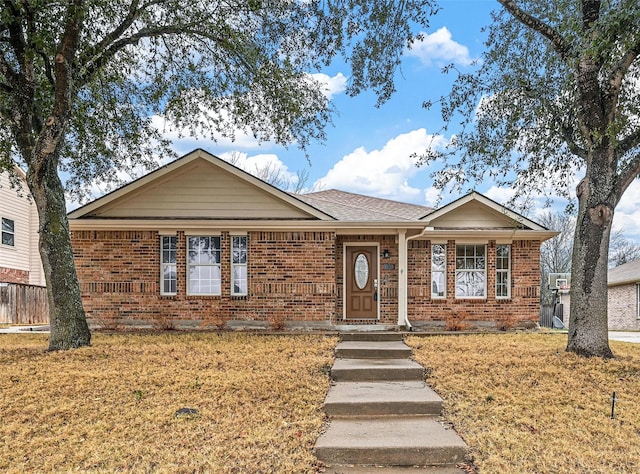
column 239, row 265
column 203, row 265
column 169, row 279
column 8, row 232
column 471, row 273
column 438, row 271
column 503, row 271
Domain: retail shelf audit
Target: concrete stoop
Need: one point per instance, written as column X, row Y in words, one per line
column 383, row 417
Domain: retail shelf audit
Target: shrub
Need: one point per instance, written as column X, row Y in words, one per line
column 455, row 323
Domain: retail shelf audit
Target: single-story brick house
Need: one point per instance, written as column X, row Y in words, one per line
column 200, row 239
column 624, row 297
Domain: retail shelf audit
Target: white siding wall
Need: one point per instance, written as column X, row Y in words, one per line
column 473, row 214
column 201, row 190
column 22, row 211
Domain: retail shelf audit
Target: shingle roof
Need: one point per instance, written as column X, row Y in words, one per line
column 346, row 206
column 626, row 273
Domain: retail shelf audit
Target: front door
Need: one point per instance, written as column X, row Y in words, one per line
column 361, row 282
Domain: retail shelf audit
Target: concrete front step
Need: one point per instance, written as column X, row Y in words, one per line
column 382, row 398
column 371, row 336
column 373, row 350
column 390, row 441
column 363, row 370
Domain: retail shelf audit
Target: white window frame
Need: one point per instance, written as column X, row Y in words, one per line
column 215, row 254
column 504, row 271
column 435, row 271
column 239, row 265
column 468, row 260
column 11, row 232
column 638, row 300
column 172, row 262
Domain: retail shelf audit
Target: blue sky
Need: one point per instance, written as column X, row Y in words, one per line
column 368, row 149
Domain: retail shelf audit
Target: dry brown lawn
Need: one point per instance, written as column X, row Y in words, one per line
column 526, row 406
column 111, row 407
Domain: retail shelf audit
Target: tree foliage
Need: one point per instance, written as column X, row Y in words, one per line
column 82, row 80
column 556, row 96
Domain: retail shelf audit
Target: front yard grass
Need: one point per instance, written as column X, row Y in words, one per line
column 525, row 405
column 111, row 407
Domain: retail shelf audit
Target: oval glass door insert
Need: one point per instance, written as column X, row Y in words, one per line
column 361, row 271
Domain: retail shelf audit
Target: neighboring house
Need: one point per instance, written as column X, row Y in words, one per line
column 624, row 297
column 200, row 239
column 19, row 256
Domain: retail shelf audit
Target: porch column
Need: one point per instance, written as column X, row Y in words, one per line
column 402, row 277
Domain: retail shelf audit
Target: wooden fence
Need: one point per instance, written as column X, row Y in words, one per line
column 23, row 304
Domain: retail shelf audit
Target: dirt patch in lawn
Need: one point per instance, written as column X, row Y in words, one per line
column 525, row 405
column 113, row 407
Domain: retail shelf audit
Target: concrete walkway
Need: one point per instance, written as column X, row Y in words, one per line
column 24, row 329
column 383, row 417
column 625, row 336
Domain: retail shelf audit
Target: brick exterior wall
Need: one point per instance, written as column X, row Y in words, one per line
column 11, row 275
column 623, row 308
column 523, row 307
column 291, row 275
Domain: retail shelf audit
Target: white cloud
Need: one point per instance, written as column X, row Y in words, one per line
column 384, row 172
column 260, row 165
column 500, row 195
column 627, row 213
column 332, row 86
column 440, row 48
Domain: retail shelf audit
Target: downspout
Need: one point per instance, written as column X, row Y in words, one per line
column 402, row 280
column 403, row 254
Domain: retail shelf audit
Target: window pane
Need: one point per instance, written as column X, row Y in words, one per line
column 169, row 279
column 438, row 284
column 7, row 225
column 204, row 250
column 470, row 284
column 8, row 239
column 438, row 258
column 8, row 232
column 239, row 250
column 240, row 279
column 198, row 281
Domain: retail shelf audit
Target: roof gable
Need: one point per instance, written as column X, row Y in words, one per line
column 199, row 186
column 475, row 211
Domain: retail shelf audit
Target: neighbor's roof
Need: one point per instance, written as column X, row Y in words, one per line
column 346, row 206
column 626, row 273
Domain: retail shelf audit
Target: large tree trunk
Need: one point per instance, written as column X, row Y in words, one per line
column 69, row 327
column 588, row 326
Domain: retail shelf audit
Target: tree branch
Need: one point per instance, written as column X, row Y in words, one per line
column 620, row 71
column 627, row 143
column 114, row 34
column 96, row 64
column 16, row 35
column 8, row 72
column 558, row 42
column 631, row 172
